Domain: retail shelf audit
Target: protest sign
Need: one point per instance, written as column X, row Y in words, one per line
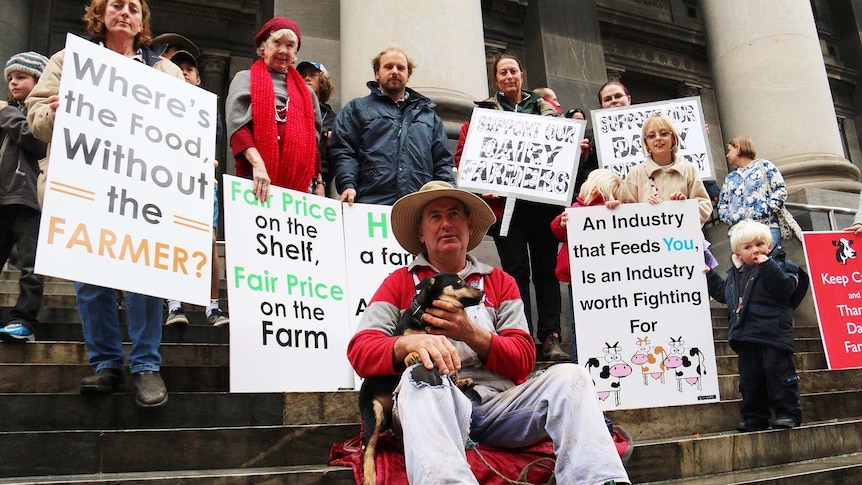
column 836, row 281
column 371, row 255
column 641, row 304
column 128, row 202
column 617, row 134
column 286, row 284
column 521, row 156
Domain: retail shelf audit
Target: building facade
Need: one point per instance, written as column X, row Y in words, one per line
column 784, row 72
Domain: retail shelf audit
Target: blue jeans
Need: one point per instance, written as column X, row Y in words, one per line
column 98, row 308
column 559, row 402
column 776, row 236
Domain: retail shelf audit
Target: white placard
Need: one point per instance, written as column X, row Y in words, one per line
column 641, row 304
column 129, row 198
column 372, row 253
column 617, row 134
column 522, row 156
column 286, row 283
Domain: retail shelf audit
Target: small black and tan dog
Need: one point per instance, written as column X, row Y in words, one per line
column 375, row 395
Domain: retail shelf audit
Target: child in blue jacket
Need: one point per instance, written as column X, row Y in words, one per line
column 758, row 292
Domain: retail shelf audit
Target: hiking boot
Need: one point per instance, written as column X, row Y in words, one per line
column 551, row 350
column 105, row 381
column 748, row 426
column 217, row 318
column 16, row 332
column 150, row 389
column 177, row 317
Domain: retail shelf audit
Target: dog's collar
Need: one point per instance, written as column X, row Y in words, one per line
column 415, row 309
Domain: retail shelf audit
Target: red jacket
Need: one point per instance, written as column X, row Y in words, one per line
column 512, row 353
column 563, row 271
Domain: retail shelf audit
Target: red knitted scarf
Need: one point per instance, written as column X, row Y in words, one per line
column 297, row 163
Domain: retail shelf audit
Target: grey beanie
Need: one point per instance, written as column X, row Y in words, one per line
column 31, row 63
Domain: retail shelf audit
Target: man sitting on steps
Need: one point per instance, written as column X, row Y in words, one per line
column 488, row 342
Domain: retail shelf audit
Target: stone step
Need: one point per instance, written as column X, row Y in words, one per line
column 810, row 382
column 197, row 332
column 687, row 421
column 803, row 360
column 66, row 299
column 64, row 323
column 286, row 475
column 800, row 344
column 61, row 294
column 75, row 353
column 704, row 455
column 36, row 412
column 83, row 452
column 23, row 365
column 48, row 300
column 14, row 274
column 297, row 475
column 56, row 378
column 835, row 470
column 799, row 331
column 51, row 288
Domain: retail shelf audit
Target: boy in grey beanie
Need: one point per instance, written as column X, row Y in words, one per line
column 20, row 153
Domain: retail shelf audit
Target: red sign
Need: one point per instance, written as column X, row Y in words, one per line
column 835, row 265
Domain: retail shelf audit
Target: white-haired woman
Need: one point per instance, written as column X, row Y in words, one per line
column 273, row 118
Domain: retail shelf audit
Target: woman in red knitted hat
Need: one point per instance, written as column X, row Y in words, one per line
column 273, row 118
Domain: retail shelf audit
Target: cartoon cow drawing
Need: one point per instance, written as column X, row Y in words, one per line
column 685, row 369
column 844, row 251
column 650, row 360
column 607, row 380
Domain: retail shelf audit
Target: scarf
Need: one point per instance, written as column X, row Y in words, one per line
column 296, row 165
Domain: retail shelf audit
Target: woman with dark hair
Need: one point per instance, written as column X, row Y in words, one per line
column 529, row 250
column 613, row 94
column 273, row 121
column 121, row 26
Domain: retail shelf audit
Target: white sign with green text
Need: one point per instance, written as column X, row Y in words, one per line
column 301, row 270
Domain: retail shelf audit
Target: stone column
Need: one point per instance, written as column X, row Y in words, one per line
column 771, row 85
column 319, row 23
column 444, row 38
column 213, row 70
column 14, row 33
column 563, row 50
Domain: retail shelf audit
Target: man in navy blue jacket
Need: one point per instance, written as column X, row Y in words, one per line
column 391, row 142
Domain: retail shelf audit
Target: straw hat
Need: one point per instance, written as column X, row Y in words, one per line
column 406, row 210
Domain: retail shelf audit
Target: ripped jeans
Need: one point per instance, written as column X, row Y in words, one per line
column 560, row 402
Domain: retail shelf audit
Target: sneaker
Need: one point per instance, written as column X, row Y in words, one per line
column 16, row 332
column 177, row 317
column 217, row 318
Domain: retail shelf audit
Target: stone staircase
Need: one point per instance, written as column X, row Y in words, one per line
column 50, row 434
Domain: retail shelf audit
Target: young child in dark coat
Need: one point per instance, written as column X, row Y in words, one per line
column 760, row 329
column 20, row 212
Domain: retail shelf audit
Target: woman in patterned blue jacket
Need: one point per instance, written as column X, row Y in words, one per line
column 755, row 190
